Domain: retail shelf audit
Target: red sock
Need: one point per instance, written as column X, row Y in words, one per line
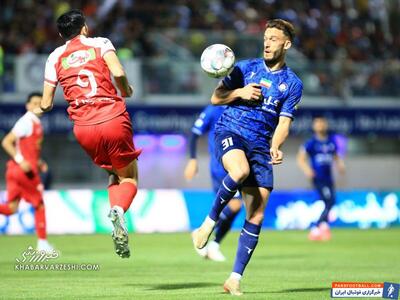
column 40, row 222
column 5, row 209
column 122, row 194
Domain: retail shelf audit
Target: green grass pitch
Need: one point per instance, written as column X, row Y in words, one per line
column 285, row 265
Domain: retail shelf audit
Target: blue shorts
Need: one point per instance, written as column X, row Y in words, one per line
column 257, row 153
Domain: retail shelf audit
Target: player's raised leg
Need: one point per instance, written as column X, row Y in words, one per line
column 236, row 164
column 9, row 208
column 255, row 199
column 122, row 190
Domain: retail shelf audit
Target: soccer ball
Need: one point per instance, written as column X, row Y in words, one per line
column 217, row 60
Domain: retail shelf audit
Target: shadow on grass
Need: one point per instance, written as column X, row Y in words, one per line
column 282, row 256
column 320, row 289
column 302, row 290
column 181, row 286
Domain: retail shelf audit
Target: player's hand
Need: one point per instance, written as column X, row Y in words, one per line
column 43, row 166
column 341, row 167
column 251, row 92
column 191, row 169
column 129, row 92
column 309, row 173
column 276, row 156
column 25, row 166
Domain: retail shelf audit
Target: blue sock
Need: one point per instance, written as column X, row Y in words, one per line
column 225, row 193
column 224, row 224
column 247, row 243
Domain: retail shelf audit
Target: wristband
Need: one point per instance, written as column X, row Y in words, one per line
column 18, row 158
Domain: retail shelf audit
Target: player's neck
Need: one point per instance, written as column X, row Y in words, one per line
column 321, row 135
column 275, row 65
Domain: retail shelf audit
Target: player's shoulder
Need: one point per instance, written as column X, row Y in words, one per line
column 25, row 117
column 332, row 137
column 23, row 121
column 210, row 110
column 55, row 55
column 98, row 42
column 310, row 141
column 293, row 79
column 249, row 63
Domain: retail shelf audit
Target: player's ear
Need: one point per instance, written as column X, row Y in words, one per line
column 287, row 44
column 85, row 30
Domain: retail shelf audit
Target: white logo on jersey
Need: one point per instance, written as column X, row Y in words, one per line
column 249, row 250
column 252, row 74
column 227, row 143
column 270, row 101
column 79, row 58
column 282, row 87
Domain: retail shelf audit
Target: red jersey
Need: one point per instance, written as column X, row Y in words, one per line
column 80, row 69
column 29, row 133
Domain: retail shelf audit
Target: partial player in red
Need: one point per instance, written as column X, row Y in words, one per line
column 23, row 144
column 83, row 66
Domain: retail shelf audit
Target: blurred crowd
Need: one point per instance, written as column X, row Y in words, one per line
column 340, row 39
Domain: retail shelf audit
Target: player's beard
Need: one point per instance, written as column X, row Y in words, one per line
column 278, row 56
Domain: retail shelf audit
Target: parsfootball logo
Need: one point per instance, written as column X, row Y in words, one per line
column 78, row 58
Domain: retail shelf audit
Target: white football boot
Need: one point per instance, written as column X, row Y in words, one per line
column 44, row 245
column 202, row 252
column 232, row 286
column 120, row 233
column 201, row 235
column 214, row 253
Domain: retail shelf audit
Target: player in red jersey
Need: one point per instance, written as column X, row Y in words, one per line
column 23, row 144
column 83, row 66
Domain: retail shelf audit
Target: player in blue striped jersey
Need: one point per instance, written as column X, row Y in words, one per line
column 205, row 123
column 316, row 158
column 261, row 97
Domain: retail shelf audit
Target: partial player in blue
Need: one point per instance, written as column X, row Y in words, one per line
column 261, row 96
column 206, row 124
column 316, row 158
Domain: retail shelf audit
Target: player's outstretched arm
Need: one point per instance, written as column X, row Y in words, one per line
column 192, row 167
column 48, row 97
column 222, row 95
column 279, row 137
column 8, row 144
column 302, row 162
column 341, row 167
column 116, row 69
column 46, row 104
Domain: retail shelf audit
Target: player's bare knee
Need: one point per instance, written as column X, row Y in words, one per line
column 235, row 204
column 112, row 179
column 256, row 218
column 239, row 173
column 131, row 180
column 128, row 172
column 13, row 206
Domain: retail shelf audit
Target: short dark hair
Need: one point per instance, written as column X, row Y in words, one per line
column 322, row 117
column 285, row 26
column 31, row 95
column 70, row 23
